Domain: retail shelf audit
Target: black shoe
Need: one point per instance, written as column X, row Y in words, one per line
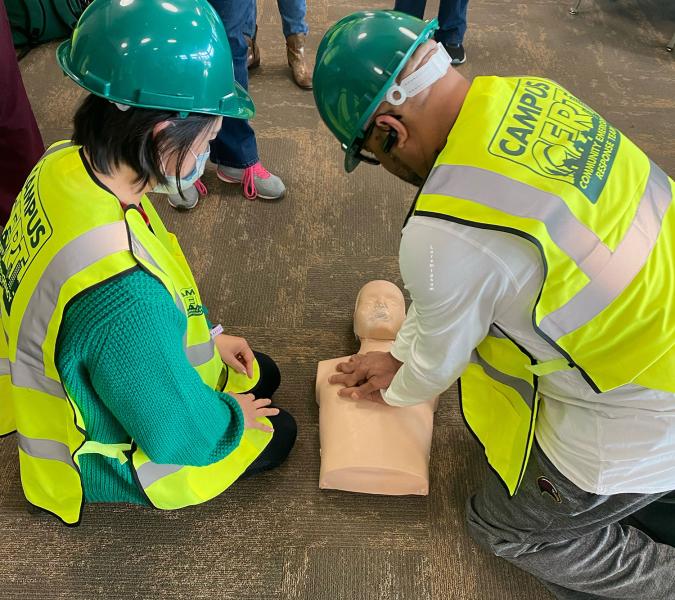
column 456, row 53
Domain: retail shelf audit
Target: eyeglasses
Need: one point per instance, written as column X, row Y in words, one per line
column 387, row 144
column 359, row 154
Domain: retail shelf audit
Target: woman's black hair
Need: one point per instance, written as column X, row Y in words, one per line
column 112, row 137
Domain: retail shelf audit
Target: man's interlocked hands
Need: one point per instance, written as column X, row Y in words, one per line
column 364, row 375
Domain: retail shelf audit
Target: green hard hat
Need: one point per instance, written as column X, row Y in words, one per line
column 161, row 54
column 358, row 60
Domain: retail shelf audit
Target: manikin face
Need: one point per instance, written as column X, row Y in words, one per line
column 379, row 312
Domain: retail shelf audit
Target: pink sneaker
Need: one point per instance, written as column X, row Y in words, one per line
column 256, row 181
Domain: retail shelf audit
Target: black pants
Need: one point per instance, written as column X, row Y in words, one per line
column 285, row 428
column 657, row 519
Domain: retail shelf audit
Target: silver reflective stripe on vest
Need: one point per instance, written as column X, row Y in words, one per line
column 140, row 251
column 524, row 389
column 50, row 449
column 29, row 377
column 4, row 366
column 623, row 266
column 521, row 200
column 609, row 272
column 28, row 368
column 56, row 148
column 198, row 354
column 150, row 472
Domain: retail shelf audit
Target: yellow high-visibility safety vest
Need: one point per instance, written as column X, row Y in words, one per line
column 65, row 235
column 526, row 157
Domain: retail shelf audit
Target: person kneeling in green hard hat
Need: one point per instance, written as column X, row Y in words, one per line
column 539, row 257
column 118, row 386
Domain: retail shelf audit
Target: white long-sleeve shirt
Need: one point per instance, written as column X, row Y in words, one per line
column 461, row 280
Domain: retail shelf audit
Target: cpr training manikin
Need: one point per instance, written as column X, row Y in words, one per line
column 366, row 445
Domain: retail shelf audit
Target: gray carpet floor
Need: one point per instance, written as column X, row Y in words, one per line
column 285, row 276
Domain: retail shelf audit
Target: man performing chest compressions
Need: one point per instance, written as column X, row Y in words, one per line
column 539, row 258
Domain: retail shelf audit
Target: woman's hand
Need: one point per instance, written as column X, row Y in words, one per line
column 235, row 353
column 253, row 409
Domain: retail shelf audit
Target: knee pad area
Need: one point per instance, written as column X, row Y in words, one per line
column 496, row 537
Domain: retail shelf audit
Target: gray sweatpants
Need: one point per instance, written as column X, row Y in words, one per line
column 579, row 545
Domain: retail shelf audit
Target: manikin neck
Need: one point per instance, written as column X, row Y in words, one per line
column 371, row 345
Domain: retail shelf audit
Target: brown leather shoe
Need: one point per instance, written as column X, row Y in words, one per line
column 253, row 55
column 295, row 50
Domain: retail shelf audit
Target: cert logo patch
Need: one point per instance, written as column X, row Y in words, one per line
column 22, row 239
column 192, row 306
column 554, row 134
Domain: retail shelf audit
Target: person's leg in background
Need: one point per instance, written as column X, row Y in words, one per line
column 21, row 145
column 236, row 145
column 285, row 428
column 251, row 35
column 414, row 8
column 575, row 542
column 235, row 150
column 452, row 22
column 294, row 25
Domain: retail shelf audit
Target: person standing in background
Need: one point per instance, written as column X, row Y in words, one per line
column 294, row 25
column 20, row 141
column 451, row 21
column 235, row 150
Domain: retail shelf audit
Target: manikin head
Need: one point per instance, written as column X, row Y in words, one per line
column 387, row 91
column 379, row 311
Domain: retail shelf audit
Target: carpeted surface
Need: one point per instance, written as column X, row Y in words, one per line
column 285, row 276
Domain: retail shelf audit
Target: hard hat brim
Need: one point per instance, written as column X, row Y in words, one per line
column 246, row 106
column 238, row 105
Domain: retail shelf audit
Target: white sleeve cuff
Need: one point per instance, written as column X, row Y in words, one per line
column 400, row 354
column 390, row 397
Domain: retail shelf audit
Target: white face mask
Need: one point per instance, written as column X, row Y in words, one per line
column 171, row 186
column 435, row 68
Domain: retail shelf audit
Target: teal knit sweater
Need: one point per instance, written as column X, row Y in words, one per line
column 120, row 356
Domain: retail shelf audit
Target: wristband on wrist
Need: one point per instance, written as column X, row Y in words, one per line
column 217, row 330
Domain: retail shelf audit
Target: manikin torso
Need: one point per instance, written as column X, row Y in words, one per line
column 366, row 445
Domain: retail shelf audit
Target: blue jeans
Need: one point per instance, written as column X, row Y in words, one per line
column 451, row 18
column 292, row 17
column 235, row 145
